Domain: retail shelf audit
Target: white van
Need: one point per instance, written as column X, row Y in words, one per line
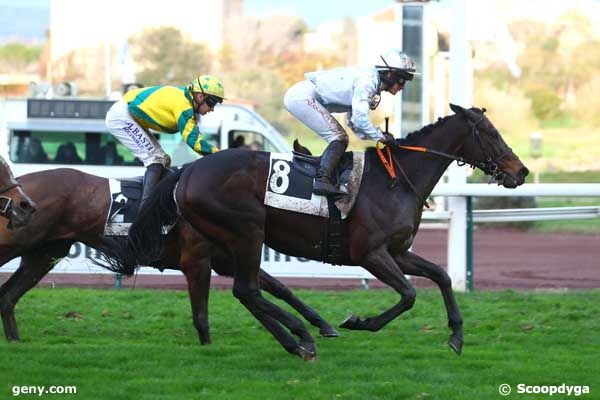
column 40, row 134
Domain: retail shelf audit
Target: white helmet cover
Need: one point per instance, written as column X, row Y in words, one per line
column 397, row 61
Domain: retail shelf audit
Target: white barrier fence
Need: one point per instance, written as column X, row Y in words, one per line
column 84, row 259
column 528, row 189
column 460, row 263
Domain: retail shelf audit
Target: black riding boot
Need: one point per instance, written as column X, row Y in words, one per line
column 329, row 160
column 151, row 179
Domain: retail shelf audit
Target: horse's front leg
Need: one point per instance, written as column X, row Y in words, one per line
column 411, row 264
column 34, row 266
column 381, row 264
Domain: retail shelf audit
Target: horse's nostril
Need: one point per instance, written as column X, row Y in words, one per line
column 27, row 206
column 524, row 172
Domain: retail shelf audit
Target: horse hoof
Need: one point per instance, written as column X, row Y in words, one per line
column 351, row 322
column 306, row 354
column 456, row 344
column 205, row 340
column 329, row 331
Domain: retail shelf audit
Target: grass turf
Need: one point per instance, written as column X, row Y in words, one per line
column 122, row 344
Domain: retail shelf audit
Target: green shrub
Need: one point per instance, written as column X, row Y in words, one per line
column 509, row 109
column 545, row 102
column 587, row 103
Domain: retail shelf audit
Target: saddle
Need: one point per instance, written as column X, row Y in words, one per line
column 308, row 165
column 126, row 196
column 290, row 180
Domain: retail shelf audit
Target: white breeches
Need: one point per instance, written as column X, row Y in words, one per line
column 142, row 145
column 302, row 101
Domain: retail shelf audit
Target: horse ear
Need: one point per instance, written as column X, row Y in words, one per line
column 483, row 110
column 457, row 109
column 471, row 115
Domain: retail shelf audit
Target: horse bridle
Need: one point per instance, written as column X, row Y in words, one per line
column 489, row 166
column 5, row 201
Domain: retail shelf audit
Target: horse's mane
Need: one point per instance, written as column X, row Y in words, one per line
column 408, row 140
column 412, row 137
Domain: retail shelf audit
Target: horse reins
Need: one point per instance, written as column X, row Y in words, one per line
column 7, row 206
column 389, row 164
column 489, row 166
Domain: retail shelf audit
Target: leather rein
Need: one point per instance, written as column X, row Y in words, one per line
column 489, row 166
column 5, row 201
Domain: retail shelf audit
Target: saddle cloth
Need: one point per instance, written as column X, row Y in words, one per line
column 290, row 181
column 125, row 198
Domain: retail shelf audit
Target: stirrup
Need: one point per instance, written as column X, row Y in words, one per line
column 327, row 189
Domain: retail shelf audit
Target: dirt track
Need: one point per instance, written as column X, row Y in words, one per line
column 504, row 259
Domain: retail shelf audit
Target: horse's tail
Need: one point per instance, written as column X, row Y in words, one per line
column 145, row 239
column 159, row 210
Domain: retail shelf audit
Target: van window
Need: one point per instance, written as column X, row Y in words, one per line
column 250, row 140
column 51, row 147
column 91, row 148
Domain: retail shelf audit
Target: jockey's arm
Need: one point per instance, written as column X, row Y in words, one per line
column 359, row 120
column 192, row 136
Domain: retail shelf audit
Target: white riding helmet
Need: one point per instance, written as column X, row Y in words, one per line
column 398, row 62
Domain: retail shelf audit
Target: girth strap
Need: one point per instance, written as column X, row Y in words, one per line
column 332, row 250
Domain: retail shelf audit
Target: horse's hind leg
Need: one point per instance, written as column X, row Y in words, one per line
column 411, row 264
column 34, row 266
column 198, row 280
column 381, row 264
column 279, row 290
column 248, row 252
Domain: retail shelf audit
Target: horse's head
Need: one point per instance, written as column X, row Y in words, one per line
column 488, row 151
column 15, row 205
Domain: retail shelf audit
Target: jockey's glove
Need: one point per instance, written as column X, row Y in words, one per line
column 389, row 139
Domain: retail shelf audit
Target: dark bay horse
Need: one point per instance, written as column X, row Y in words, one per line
column 222, row 197
column 73, row 207
column 15, row 204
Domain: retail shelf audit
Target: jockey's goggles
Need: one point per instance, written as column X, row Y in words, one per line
column 210, row 100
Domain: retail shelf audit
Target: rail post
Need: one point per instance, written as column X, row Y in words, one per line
column 470, row 277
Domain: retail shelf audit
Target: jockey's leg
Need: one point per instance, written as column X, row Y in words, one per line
column 151, row 179
column 329, row 160
column 302, row 101
column 143, row 146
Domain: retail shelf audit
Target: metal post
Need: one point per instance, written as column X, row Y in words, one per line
column 461, row 92
column 457, row 228
column 118, row 281
column 365, row 283
column 470, row 277
column 397, row 43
